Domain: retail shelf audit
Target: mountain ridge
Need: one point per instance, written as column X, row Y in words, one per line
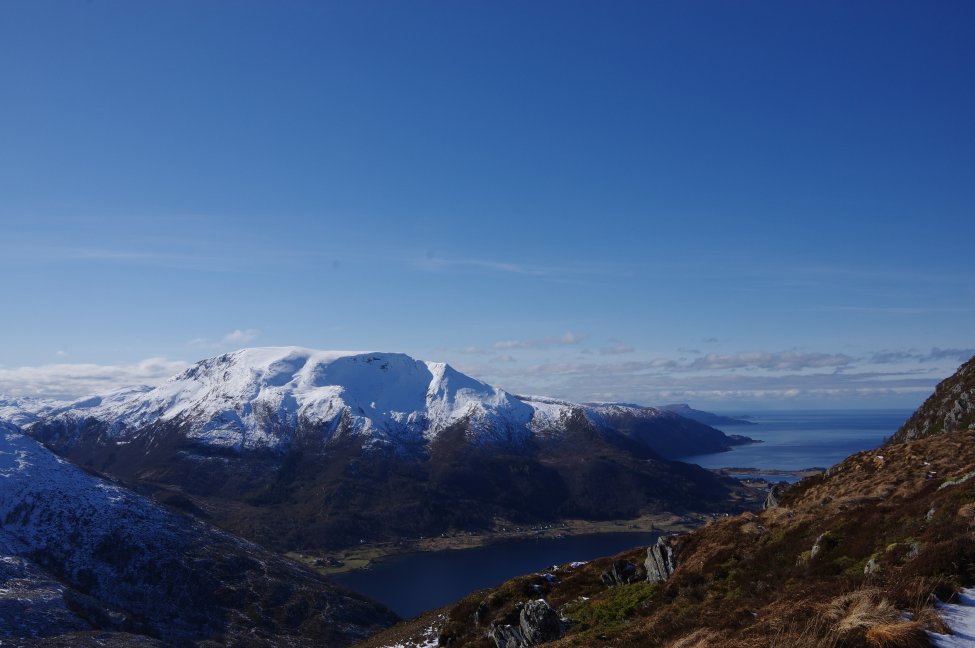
column 377, row 447
column 258, row 399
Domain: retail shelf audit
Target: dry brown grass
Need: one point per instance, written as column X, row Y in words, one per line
column 702, row 638
column 859, row 609
column 897, row 634
column 967, row 512
column 868, row 614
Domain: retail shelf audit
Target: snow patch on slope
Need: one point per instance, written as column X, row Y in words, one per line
column 960, row 617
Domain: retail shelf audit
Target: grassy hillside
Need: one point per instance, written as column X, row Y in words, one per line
column 837, row 563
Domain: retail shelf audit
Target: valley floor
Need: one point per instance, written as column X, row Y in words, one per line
column 363, row 556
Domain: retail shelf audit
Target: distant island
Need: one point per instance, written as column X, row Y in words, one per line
column 708, row 418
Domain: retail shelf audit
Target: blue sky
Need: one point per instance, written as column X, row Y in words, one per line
column 739, row 205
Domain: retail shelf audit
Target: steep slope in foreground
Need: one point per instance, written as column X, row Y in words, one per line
column 835, row 564
column 951, row 407
column 305, row 449
column 857, row 556
column 78, row 554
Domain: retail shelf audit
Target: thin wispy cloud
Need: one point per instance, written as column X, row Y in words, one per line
column 475, row 350
column 504, row 358
column 183, row 259
column 771, row 376
column 619, row 349
column 434, row 263
column 936, row 353
column 775, row 361
column 566, row 339
column 574, row 274
column 891, row 310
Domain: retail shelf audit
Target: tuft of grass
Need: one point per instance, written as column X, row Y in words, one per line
column 903, row 633
column 702, row 638
column 859, row 609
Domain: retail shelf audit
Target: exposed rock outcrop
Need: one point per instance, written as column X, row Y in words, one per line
column 538, row 623
column 621, row 573
column 775, row 494
column 950, row 408
column 506, row 636
column 660, row 561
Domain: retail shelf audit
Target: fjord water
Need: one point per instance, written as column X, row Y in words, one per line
column 413, row 583
column 794, row 440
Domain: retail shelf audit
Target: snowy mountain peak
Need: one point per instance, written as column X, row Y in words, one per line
column 260, row 397
column 272, row 398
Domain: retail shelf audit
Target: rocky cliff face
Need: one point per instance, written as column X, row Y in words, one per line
column 950, row 408
column 79, row 554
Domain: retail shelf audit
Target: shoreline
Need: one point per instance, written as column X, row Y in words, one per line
column 364, row 556
column 771, row 472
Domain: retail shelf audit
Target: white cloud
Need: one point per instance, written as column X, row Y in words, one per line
column 66, row 381
column 234, row 338
column 241, row 336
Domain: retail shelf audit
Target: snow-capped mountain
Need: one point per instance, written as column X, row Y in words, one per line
column 262, row 399
column 376, row 445
column 78, row 553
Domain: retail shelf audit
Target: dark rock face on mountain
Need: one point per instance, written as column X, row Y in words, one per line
column 950, row 408
column 669, row 434
column 296, row 448
column 708, row 418
column 81, row 558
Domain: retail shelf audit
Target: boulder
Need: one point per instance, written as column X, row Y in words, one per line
column 872, row 566
column 660, row 561
column 506, row 636
column 538, row 622
column 775, row 494
column 621, row 573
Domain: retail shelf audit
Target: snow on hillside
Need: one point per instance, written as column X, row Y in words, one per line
column 262, row 397
column 45, row 500
column 77, row 551
column 258, row 398
column 24, row 410
column 960, row 618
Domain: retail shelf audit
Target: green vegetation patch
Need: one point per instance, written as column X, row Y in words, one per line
column 614, row 607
